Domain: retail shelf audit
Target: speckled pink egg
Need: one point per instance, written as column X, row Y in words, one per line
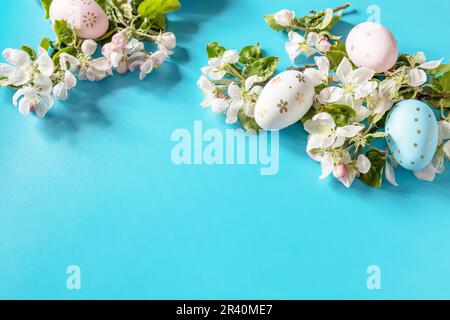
column 86, row 16
column 372, row 45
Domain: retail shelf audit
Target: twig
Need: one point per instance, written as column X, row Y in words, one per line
column 302, row 68
column 444, row 95
column 343, row 7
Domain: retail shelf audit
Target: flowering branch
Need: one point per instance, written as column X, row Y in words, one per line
column 346, row 122
column 119, row 27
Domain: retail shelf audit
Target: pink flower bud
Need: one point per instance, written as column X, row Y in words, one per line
column 122, row 67
column 324, row 45
column 120, row 40
column 107, row 49
column 340, row 171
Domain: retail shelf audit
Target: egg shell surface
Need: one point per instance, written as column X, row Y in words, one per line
column 284, row 100
column 86, row 16
column 412, row 134
column 372, row 45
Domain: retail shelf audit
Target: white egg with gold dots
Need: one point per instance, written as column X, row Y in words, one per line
column 412, row 134
column 284, row 100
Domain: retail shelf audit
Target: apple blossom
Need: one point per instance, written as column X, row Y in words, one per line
column 354, row 85
column 284, row 17
column 216, row 68
column 28, row 100
column 298, row 45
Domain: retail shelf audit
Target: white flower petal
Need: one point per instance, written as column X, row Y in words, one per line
column 365, row 89
column 230, row 56
column 5, row 69
column 17, row 57
column 45, row 63
column 234, row 91
column 295, row 37
column 314, row 75
column 69, row 80
column 331, row 95
column 416, row 77
column 88, row 47
column 444, row 130
column 430, row 65
column 360, row 76
column 251, row 81
column 293, row 50
column 427, row 174
column 284, row 17
column 43, row 83
column 447, row 149
column 312, row 39
column 343, row 71
column 205, row 85
column 18, row 77
column 349, row 131
column 327, row 166
column 323, row 64
column 389, row 173
column 363, row 164
column 219, row 105
column 60, row 92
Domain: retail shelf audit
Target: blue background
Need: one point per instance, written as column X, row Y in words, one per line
column 93, row 184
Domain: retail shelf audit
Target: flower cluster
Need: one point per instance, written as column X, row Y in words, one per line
column 232, row 82
column 347, row 119
column 41, row 77
column 315, row 27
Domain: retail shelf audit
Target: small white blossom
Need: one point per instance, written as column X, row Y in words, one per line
column 284, row 17
column 93, row 69
column 212, row 99
column 216, row 68
column 354, row 85
column 244, row 99
column 298, row 45
column 166, row 41
column 324, row 133
column 320, row 75
column 21, row 70
column 28, row 100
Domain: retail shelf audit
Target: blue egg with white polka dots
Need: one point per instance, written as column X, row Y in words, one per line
column 413, row 134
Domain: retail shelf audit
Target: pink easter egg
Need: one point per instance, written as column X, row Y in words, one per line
column 372, row 45
column 86, row 16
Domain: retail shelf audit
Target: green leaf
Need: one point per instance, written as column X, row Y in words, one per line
column 335, row 19
column 249, row 54
column 45, row 43
column 441, row 84
column 374, row 177
column 153, row 8
column 441, row 69
column 46, row 4
column 270, row 20
column 66, row 35
column 327, row 18
column 69, row 50
column 215, row 50
column 264, row 67
column 341, row 113
column 30, row 51
column 336, row 54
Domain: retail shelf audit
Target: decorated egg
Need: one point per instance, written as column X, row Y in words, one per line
column 86, row 16
column 372, row 45
column 284, row 100
column 412, row 134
